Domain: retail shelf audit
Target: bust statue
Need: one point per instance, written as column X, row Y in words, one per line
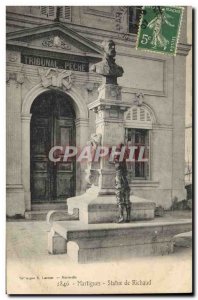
column 107, row 67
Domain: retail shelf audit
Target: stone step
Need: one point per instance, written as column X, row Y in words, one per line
column 41, row 215
column 49, row 206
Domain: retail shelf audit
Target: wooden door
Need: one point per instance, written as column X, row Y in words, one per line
column 52, row 125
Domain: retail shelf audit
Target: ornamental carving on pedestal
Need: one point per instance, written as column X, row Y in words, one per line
column 56, row 78
column 92, row 173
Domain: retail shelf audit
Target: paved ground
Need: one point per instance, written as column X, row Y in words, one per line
column 30, row 269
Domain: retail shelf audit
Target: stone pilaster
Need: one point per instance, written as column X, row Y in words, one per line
column 178, row 157
column 15, row 192
column 82, row 126
column 25, row 121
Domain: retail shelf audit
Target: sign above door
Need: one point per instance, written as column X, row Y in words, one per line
column 72, row 65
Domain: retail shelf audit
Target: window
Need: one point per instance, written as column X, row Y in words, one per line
column 138, row 117
column 138, row 127
column 138, row 169
column 134, row 18
column 51, row 12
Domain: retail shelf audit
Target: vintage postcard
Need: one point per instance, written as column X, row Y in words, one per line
column 99, row 150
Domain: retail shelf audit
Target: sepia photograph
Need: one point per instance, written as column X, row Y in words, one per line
column 99, row 194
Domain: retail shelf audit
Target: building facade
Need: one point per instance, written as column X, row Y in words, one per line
column 49, row 54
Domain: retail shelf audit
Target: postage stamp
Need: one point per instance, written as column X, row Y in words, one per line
column 159, row 29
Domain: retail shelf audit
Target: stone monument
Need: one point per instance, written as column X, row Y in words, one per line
column 98, row 204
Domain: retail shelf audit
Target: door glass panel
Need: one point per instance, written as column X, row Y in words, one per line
column 65, row 136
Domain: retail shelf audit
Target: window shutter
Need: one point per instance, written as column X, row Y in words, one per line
column 142, row 114
column 128, row 115
column 51, row 12
column 48, row 11
column 44, row 10
column 67, row 13
column 134, row 114
column 148, row 117
column 61, row 12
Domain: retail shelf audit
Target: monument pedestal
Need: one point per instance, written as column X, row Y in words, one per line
column 93, row 207
column 96, row 208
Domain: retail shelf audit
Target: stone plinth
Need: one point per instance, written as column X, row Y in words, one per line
column 96, row 208
column 105, row 242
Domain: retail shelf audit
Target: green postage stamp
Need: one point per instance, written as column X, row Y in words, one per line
column 159, row 29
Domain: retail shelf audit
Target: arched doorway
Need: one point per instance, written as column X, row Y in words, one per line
column 52, row 124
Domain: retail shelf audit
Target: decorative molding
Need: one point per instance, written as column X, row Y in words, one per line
column 160, row 93
column 74, row 92
column 82, row 122
column 97, row 12
column 55, row 78
column 130, row 42
column 14, row 18
column 12, row 56
column 13, row 37
column 92, row 86
column 17, row 77
column 26, row 117
column 31, row 77
column 162, row 127
column 55, row 42
column 14, row 188
column 120, row 27
column 101, row 104
column 81, row 78
column 128, row 90
column 144, row 184
column 139, row 97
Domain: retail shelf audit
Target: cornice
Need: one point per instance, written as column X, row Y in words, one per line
column 95, row 34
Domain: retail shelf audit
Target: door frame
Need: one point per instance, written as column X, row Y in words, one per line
column 81, row 123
